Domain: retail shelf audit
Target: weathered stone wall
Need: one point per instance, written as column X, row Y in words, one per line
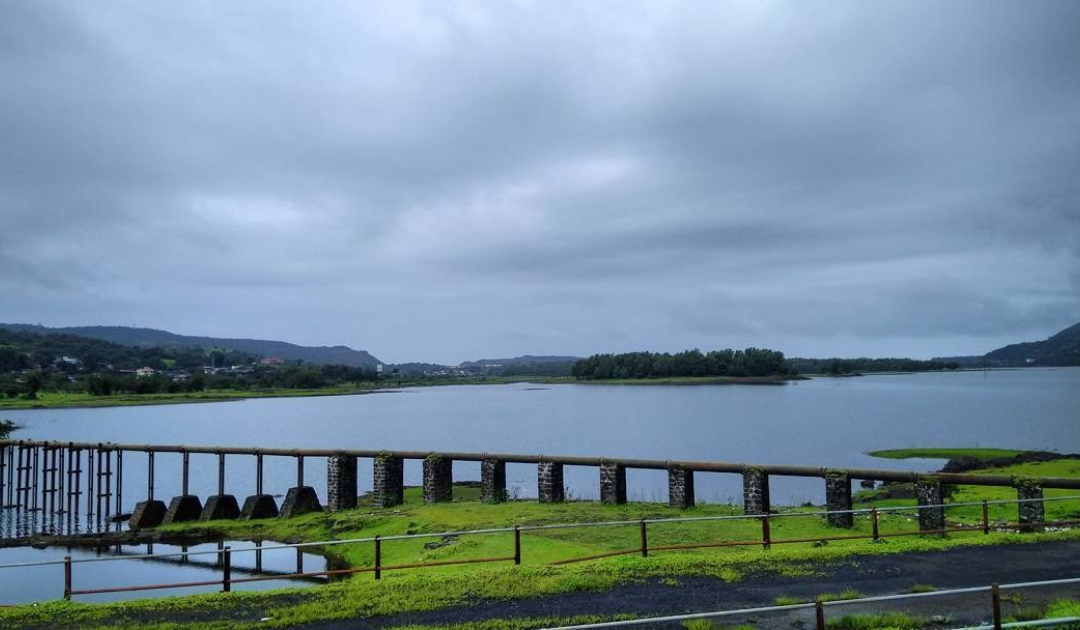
column 1032, row 511
column 756, row 491
column 438, row 479
column 389, row 481
column 341, row 481
column 612, row 483
column 838, row 497
column 680, row 487
column 493, row 481
column 549, row 479
column 928, row 492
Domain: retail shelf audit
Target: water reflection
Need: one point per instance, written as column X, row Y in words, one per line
column 168, row 564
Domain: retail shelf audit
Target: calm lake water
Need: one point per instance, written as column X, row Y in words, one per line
column 29, row 584
column 820, row 422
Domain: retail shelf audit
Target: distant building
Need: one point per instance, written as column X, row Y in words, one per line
column 145, row 371
column 271, row 361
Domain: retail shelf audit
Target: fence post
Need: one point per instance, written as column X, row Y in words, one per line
column 378, row 557
column 67, row 577
column 995, row 600
column 644, row 540
column 819, row 614
column 517, row 544
column 766, row 537
column 874, row 523
column 226, row 569
column 986, row 517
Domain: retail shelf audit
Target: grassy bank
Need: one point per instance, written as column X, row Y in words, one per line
column 945, row 453
column 50, row 400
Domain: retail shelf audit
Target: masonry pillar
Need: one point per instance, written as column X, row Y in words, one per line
column 389, row 481
column 549, row 479
column 493, row 481
column 341, row 483
column 1033, row 512
column 612, row 483
column 755, row 491
column 438, row 479
column 680, row 487
column 838, row 497
column 928, row 492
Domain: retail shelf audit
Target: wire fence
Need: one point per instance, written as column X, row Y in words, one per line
column 514, row 554
column 819, row 607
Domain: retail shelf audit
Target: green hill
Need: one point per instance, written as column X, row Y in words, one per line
column 1059, row 350
column 150, row 338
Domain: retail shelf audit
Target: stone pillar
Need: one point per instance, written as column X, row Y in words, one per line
column 259, row 506
column 341, row 483
column 186, row 507
column 389, row 481
column 300, row 500
column 219, row 507
column 149, row 513
column 493, row 481
column 838, row 497
column 438, row 479
column 680, row 486
column 549, row 481
column 755, row 491
column 612, row 483
column 1034, row 511
column 928, row 492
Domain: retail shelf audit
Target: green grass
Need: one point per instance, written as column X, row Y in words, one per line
column 883, row 621
column 945, row 453
column 921, row 588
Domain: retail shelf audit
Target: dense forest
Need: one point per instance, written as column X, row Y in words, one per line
column 749, row 362
column 857, row 366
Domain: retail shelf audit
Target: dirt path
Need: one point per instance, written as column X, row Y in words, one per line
column 870, row 575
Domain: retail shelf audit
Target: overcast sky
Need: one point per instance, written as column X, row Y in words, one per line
column 447, row 181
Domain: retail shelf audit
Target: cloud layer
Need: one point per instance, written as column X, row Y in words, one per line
column 449, row 180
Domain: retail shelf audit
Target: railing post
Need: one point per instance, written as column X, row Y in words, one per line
column 67, row 577
column 995, row 600
column 874, row 523
column 766, row 537
column 819, row 614
column 378, row 557
column 644, row 540
column 517, row 544
column 986, row 517
column 226, row 570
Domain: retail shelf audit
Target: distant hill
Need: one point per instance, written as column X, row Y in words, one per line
column 528, row 358
column 149, row 337
column 1061, row 349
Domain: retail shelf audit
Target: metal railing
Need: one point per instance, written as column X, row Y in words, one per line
column 766, row 541
column 819, row 607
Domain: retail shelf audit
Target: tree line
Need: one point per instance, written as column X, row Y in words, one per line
column 748, row 362
column 857, row 366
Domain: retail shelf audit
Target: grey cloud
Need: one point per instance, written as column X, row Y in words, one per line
column 439, row 181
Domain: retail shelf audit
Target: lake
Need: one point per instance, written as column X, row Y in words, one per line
column 829, row 422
